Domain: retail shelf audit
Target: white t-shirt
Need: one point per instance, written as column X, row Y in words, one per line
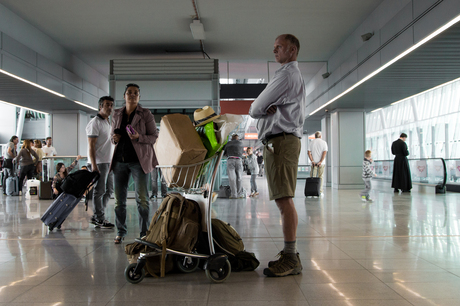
column 317, row 147
column 100, row 128
column 49, row 151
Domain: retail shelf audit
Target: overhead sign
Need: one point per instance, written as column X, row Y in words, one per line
column 251, row 136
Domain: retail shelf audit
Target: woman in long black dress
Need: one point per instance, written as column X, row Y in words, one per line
column 401, row 171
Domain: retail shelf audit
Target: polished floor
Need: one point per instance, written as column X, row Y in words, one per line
column 402, row 249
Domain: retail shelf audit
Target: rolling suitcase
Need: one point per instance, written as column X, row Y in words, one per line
column 59, row 210
column 74, row 186
column 12, row 183
column 312, row 186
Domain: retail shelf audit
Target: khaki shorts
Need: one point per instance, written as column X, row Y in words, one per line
column 281, row 158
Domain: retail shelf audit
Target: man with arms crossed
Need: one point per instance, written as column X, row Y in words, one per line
column 100, row 151
column 280, row 110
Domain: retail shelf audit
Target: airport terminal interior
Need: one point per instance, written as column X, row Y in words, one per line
column 400, row 249
column 372, row 69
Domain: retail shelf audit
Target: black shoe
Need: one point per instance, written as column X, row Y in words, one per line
column 104, row 224
column 396, row 190
column 405, row 190
column 153, row 197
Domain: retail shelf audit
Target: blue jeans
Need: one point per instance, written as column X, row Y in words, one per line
column 102, row 191
column 121, row 172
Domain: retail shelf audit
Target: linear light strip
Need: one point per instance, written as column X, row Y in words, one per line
column 81, row 103
column 423, row 41
column 31, row 83
column 1, row 101
column 428, row 90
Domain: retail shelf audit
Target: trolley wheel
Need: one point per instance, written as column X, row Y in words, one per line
column 221, row 274
column 186, row 264
column 131, row 276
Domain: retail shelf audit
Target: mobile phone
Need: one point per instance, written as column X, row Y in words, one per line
column 130, row 129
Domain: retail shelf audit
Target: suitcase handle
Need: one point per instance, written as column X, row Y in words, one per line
column 317, row 171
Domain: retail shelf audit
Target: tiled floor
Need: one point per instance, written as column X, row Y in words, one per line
column 401, row 249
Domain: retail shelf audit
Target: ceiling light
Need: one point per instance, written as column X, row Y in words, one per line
column 367, row 36
column 391, row 62
column 326, row 75
column 83, row 104
column 376, row 110
column 34, row 110
column 197, row 30
column 32, row 83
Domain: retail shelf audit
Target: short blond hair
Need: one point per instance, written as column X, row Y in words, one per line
column 368, row 153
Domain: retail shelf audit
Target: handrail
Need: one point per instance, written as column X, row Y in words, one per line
column 440, row 187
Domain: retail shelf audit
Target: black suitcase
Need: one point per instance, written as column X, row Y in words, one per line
column 59, row 210
column 312, row 186
column 46, row 192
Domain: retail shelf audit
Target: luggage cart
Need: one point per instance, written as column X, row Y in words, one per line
column 191, row 181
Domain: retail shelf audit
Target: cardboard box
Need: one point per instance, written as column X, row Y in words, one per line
column 179, row 144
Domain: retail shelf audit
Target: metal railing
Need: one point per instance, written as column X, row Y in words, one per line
column 424, row 171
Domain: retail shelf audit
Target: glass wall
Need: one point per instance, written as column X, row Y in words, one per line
column 431, row 120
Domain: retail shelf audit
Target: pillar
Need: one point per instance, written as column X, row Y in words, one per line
column 326, row 136
column 69, row 132
column 346, row 147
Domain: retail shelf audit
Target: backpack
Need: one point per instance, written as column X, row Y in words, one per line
column 226, row 237
column 227, row 240
column 175, row 225
column 78, row 182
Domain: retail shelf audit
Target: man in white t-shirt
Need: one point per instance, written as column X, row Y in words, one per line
column 317, row 154
column 100, row 152
column 49, row 150
column 48, row 164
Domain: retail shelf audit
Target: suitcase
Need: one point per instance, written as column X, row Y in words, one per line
column 45, row 192
column 12, row 185
column 312, row 186
column 59, row 210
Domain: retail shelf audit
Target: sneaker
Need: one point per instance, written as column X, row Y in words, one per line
column 20, row 193
column 288, row 264
column 279, row 255
column 153, row 197
column 363, row 198
column 233, row 198
column 369, row 199
column 104, row 224
column 93, row 220
column 255, row 194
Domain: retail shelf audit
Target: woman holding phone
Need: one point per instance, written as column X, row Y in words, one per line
column 133, row 132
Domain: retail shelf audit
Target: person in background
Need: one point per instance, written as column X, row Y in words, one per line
column 134, row 156
column 234, row 151
column 253, row 167
column 40, row 153
column 49, row 151
column 280, row 113
column 368, row 174
column 317, row 154
column 401, row 171
column 26, row 163
column 61, row 174
column 154, row 176
column 100, row 152
column 11, row 153
column 260, row 162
